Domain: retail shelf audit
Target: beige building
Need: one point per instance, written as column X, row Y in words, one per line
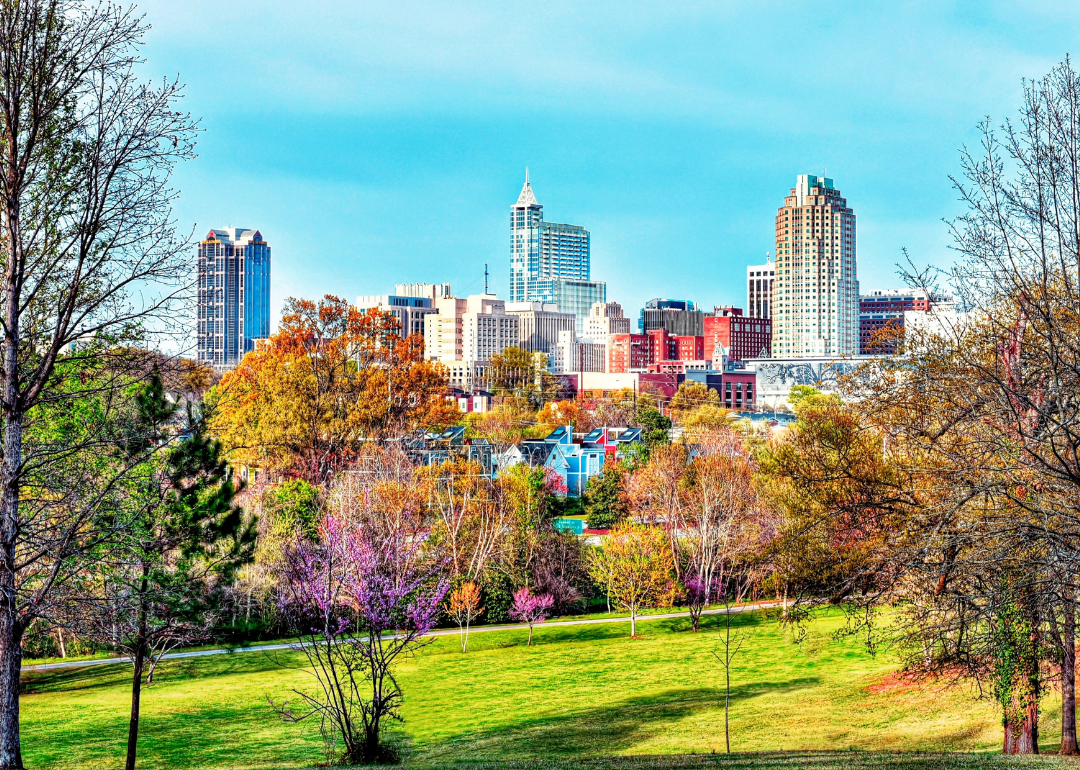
column 539, row 325
column 815, row 293
column 443, row 329
column 605, row 319
column 486, row 328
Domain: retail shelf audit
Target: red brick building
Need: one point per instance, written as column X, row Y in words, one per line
column 881, row 317
column 689, row 348
column 628, row 353
column 744, row 337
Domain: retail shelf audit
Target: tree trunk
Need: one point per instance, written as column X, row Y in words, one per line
column 633, row 623
column 10, row 674
column 1022, row 737
column 60, row 638
column 727, row 704
column 11, row 626
column 1068, row 681
column 136, row 695
column 139, row 659
column 529, row 644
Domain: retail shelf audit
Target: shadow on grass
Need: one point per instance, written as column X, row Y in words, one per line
column 788, row 760
column 168, row 672
column 611, row 729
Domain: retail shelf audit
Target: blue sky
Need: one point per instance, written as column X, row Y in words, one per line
column 377, row 143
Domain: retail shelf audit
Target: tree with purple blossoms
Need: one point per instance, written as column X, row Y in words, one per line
column 699, row 593
column 530, row 608
column 359, row 601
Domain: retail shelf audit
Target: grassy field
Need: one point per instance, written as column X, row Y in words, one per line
column 580, row 695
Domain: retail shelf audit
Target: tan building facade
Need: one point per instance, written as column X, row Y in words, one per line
column 815, row 293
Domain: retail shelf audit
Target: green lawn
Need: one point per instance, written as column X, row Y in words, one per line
column 582, row 693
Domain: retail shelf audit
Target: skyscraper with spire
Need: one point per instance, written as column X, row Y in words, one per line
column 549, row 262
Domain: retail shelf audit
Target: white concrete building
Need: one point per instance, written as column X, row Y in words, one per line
column 759, row 283
column 574, row 355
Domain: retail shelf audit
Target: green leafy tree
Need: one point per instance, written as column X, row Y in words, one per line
column 155, row 588
column 90, row 261
column 605, row 497
column 654, row 427
column 635, row 568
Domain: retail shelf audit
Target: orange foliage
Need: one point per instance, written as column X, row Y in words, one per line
column 329, row 379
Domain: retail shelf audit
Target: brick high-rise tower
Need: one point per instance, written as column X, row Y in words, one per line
column 815, row 295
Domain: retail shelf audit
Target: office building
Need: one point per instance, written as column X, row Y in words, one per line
column 605, row 319
column 740, row 336
column 539, row 325
column 409, row 311
column 679, row 317
column 549, row 262
column 881, row 317
column 759, row 281
column 571, row 296
column 432, row 291
column 815, row 296
column 574, row 355
column 233, row 295
column 486, row 328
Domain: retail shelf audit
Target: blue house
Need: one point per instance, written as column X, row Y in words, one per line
column 576, row 461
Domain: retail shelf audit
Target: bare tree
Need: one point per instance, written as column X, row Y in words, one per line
column 89, row 252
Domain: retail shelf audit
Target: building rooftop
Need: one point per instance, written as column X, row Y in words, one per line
column 234, row 236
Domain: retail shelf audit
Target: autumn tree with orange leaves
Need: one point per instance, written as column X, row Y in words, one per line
column 331, row 378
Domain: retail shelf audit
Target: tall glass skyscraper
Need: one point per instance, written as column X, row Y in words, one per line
column 234, row 295
column 549, row 262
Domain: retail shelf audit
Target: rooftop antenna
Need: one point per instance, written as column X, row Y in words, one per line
column 768, row 257
column 486, row 264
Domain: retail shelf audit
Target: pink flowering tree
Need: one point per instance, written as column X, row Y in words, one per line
column 530, row 608
column 359, row 602
column 699, row 594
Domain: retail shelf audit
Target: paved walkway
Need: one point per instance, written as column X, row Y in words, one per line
column 440, row 632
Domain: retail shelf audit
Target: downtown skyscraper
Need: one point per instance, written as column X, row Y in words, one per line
column 549, row 262
column 815, row 292
column 234, row 295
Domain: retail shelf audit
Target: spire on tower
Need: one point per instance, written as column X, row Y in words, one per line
column 526, row 198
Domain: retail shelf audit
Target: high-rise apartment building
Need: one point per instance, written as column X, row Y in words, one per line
column 678, row 316
column 443, row 330
column 549, row 262
column 759, row 280
column 234, row 295
column 815, row 296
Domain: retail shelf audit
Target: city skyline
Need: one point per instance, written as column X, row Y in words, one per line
column 403, row 132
